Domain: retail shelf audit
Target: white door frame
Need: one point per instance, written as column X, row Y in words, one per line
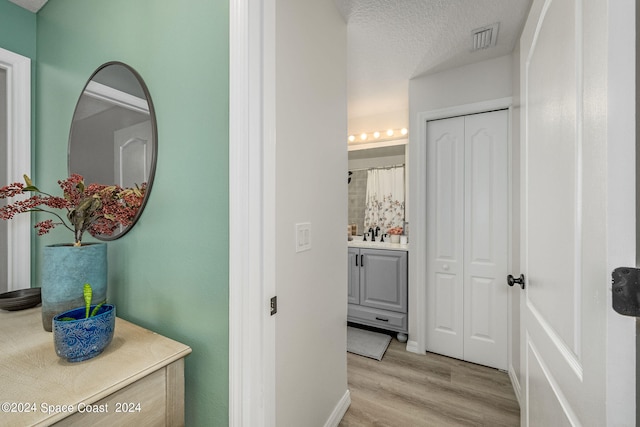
column 252, row 213
column 418, row 211
column 621, row 206
column 18, row 69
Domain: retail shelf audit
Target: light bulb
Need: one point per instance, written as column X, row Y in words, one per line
column 390, row 132
column 404, row 131
column 363, row 136
column 352, row 138
column 376, row 135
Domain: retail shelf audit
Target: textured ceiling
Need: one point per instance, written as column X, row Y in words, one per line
column 32, row 5
column 392, row 41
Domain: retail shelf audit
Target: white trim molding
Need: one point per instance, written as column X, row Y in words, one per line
column 112, row 96
column 252, row 213
column 18, row 69
column 339, row 410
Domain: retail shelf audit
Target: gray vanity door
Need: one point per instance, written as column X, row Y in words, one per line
column 383, row 282
column 354, row 276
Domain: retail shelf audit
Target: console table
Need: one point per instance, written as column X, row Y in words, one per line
column 137, row 380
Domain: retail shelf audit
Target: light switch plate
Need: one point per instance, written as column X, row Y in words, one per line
column 303, row 236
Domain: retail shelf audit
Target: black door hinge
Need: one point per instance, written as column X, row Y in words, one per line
column 274, row 305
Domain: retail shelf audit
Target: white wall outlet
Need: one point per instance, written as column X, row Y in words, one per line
column 303, row 236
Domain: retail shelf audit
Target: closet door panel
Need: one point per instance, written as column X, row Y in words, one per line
column 485, row 242
column 445, row 210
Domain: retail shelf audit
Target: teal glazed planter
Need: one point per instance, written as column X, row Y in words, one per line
column 65, row 270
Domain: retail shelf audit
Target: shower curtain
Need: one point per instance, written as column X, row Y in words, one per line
column 385, row 198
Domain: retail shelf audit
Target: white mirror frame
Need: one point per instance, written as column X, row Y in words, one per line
column 18, row 69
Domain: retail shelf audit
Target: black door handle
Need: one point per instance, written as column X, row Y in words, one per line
column 512, row 280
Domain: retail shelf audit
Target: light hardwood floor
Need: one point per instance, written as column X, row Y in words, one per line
column 407, row 389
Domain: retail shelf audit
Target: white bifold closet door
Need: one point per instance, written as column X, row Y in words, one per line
column 467, row 232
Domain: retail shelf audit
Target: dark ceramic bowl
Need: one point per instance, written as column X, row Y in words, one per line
column 20, row 299
column 83, row 338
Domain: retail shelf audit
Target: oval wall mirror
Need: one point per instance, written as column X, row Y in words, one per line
column 113, row 138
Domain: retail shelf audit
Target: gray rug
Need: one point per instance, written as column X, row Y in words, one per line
column 367, row 343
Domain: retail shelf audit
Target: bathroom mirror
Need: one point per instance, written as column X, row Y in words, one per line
column 113, row 137
column 361, row 163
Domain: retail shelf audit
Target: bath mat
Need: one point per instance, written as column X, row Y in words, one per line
column 367, row 343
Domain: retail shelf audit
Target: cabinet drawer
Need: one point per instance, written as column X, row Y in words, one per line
column 379, row 318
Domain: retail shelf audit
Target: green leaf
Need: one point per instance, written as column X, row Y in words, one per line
column 66, row 319
column 96, row 308
column 87, row 298
column 31, row 188
column 27, row 180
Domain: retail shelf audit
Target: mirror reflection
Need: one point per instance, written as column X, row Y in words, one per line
column 377, row 189
column 113, row 138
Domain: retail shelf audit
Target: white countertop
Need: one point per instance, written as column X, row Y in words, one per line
column 358, row 243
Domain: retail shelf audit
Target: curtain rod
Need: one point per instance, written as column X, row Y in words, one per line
column 378, row 168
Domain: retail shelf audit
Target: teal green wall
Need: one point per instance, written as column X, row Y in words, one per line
column 170, row 272
column 17, row 29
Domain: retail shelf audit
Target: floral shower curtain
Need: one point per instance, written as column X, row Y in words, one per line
column 385, row 198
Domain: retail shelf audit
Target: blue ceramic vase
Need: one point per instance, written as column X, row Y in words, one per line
column 65, row 270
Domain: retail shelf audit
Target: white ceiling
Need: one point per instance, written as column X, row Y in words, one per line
column 392, row 41
column 32, row 5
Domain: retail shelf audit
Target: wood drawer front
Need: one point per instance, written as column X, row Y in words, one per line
column 379, row 318
column 160, row 395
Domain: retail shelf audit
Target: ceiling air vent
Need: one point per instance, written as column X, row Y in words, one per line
column 484, row 37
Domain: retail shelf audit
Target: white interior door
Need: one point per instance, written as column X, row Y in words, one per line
column 467, row 231
column 485, row 241
column 132, row 154
column 563, row 245
column 445, row 237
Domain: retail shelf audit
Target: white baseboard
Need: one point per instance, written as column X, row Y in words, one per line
column 516, row 384
column 339, row 411
column 412, row 346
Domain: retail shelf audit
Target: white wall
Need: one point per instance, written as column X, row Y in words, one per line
column 482, row 81
column 311, row 186
column 380, row 122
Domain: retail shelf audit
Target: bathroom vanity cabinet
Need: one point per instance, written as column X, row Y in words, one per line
column 137, row 380
column 378, row 289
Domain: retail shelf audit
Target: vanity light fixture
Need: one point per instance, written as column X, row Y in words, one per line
column 388, row 135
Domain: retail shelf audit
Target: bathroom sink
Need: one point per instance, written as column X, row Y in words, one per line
column 359, row 242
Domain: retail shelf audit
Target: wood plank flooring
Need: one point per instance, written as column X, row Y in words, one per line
column 407, row 389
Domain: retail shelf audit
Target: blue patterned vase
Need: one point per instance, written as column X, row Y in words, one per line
column 83, row 338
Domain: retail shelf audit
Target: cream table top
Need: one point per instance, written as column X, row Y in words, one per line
column 43, row 388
